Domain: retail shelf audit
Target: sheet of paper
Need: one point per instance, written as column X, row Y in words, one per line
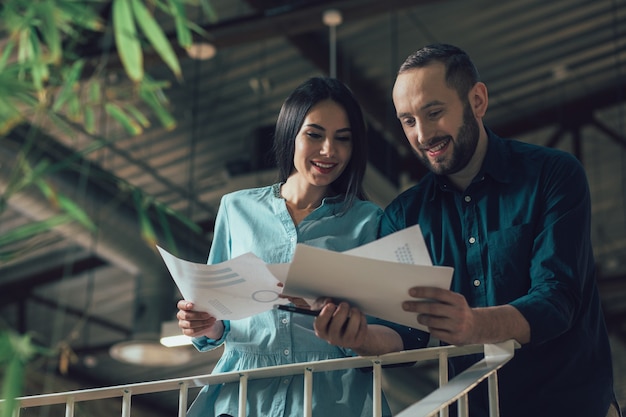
column 374, row 277
column 280, row 271
column 231, row 290
column 405, row 246
column 377, row 287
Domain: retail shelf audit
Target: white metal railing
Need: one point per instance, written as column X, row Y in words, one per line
column 495, row 356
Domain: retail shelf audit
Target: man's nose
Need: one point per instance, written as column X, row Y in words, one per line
column 421, row 133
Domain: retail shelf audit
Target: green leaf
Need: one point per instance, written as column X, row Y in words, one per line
column 73, row 76
column 177, row 10
column 8, row 49
column 165, row 226
column 6, row 348
column 138, row 115
column 10, row 116
column 95, row 93
column 33, row 229
column 126, row 40
column 67, row 205
column 40, row 71
column 17, row 351
column 150, row 98
column 75, row 13
column 122, row 118
column 156, row 37
column 50, row 31
column 12, row 385
column 76, row 213
column 208, row 10
column 147, row 232
column 90, row 121
column 185, row 220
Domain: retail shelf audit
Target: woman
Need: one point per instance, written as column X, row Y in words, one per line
column 321, row 153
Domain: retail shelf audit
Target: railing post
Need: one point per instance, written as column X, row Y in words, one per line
column 69, row 407
column 463, row 406
column 308, row 392
column 243, row 394
column 126, row 403
column 494, row 406
column 434, row 404
column 377, row 403
column 443, row 378
column 182, row 399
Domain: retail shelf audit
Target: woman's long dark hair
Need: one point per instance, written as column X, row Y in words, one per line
column 290, row 120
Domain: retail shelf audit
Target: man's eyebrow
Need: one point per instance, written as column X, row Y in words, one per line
column 432, row 104
column 424, row 107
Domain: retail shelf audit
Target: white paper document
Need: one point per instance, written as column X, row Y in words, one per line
column 374, row 277
column 376, row 284
column 405, row 246
column 231, row 290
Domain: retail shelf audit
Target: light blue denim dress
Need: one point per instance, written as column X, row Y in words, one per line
column 257, row 220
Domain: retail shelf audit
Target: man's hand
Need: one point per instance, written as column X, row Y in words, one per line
column 450, row 319
column 341, row 325
column 346, row 326
column 446, row 314
column 198, row 323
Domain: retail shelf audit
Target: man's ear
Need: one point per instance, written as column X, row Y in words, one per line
column 479, row 99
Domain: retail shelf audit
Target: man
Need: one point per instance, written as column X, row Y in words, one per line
column 513, row 219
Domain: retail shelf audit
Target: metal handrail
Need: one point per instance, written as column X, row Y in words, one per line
column 436, row 402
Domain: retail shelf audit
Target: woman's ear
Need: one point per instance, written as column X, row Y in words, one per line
column 479, row 99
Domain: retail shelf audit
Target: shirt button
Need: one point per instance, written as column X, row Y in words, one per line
column 476, row 282
column 285, row 321
column 467, row 198
column 285, row 381
column 286, row 352
column 293, row 238
column 472, row 240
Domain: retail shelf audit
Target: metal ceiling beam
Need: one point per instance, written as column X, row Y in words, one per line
column 564, row 113
column 298, row 18
column 118, row 239
column 268, row 22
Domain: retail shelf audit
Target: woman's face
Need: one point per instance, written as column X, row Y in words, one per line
column 323, row 145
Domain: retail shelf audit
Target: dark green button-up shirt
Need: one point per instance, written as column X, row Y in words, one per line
column 520, row 235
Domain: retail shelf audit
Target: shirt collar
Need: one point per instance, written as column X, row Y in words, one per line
column 497, row 163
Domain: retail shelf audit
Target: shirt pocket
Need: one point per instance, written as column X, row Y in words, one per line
column 509, row 257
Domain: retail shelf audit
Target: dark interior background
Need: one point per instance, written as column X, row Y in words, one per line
column 556, row 74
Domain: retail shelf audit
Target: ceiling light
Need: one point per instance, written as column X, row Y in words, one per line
column 149, row 353
column 560, row 72
column 332, row 17
column 150, row 350
column 202, row 51
column 171, row 335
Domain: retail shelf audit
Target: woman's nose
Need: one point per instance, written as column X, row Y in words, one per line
column 328, row 146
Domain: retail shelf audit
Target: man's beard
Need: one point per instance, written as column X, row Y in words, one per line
column 464, row 147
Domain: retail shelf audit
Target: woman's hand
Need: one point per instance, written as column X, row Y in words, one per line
column 198, row 323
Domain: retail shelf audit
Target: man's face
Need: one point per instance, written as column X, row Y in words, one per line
column 441, row 128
